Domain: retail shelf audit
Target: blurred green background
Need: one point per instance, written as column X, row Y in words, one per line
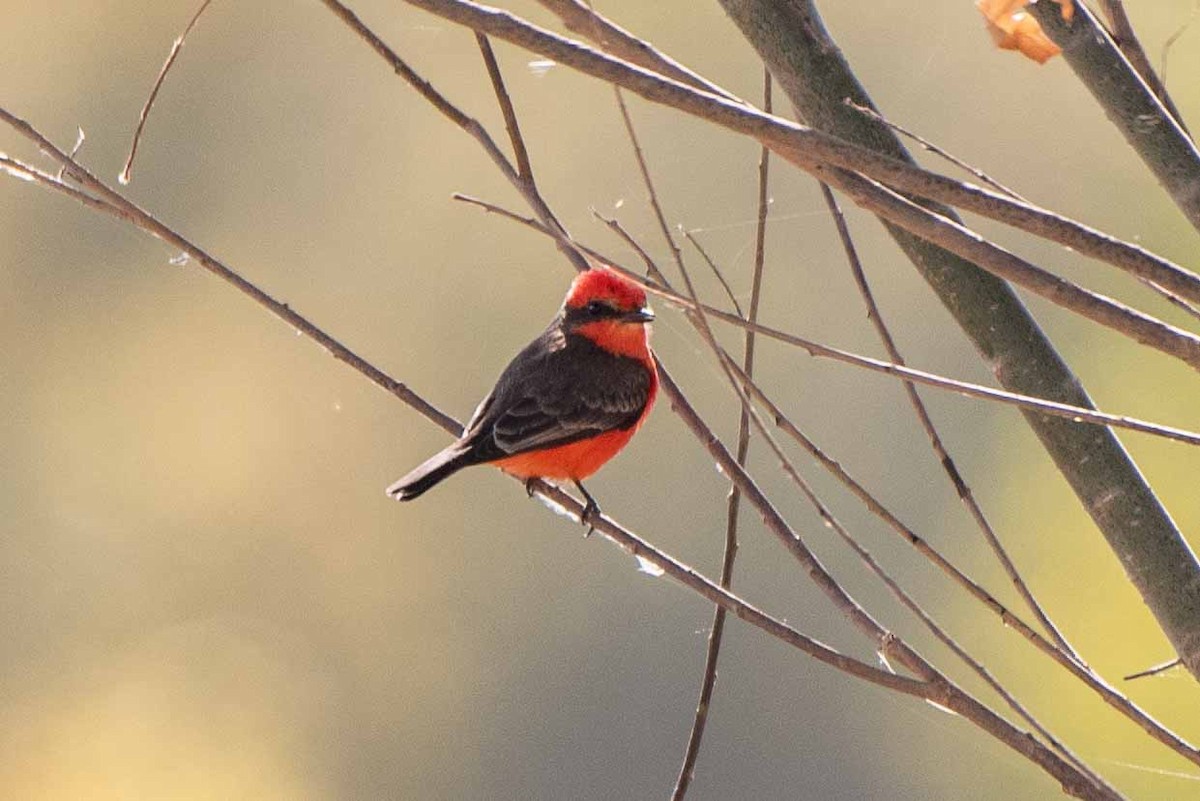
column 204, row 593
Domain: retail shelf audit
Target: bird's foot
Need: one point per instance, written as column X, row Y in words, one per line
column 529, row 484
column 591, row 510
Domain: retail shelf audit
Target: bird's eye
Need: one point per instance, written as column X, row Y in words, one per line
column 595, row 308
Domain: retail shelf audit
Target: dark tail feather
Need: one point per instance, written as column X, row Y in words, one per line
column 431, row 471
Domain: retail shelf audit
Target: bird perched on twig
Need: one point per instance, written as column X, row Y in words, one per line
column 569, row 401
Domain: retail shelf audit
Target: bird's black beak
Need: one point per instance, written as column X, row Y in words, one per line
column 640, row 316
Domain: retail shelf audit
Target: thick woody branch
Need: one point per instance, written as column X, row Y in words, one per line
column 1129, row 103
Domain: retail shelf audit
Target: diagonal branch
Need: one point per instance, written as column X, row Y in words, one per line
column 112, row 202
column 1147, row 125
column 935, row 440
column 587, row 22
column 1123, row 36
column 524, row 168
column 176, row 46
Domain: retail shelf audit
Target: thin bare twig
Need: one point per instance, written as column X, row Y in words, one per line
column 935, row 441
column 126, row 171
column 79, row 140
column 1170, row 42
column 651, row 195
column 986, row 179
column 492, row 208
column 1126, row 40
column 524, row 168
column 713, row 652
column 112, row 202
column 586, row 21
column 618, row 229
column 1188, row 308
column 1154, row 671
column 27, row 172
column 711, row 591
column 712, row 265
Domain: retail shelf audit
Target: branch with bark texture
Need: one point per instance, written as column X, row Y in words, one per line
column 1129, row 103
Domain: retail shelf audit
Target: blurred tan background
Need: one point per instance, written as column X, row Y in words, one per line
column 204, row 593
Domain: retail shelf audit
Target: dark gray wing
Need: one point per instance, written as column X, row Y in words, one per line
column 557, row 391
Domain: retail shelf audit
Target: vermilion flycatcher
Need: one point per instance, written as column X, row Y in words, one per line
column 569, row 401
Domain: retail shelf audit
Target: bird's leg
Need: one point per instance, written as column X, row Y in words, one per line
column 590, row 509
column 529, row 482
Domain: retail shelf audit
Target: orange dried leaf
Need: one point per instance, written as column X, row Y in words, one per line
column 1013, row 29
column 1022, row 32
